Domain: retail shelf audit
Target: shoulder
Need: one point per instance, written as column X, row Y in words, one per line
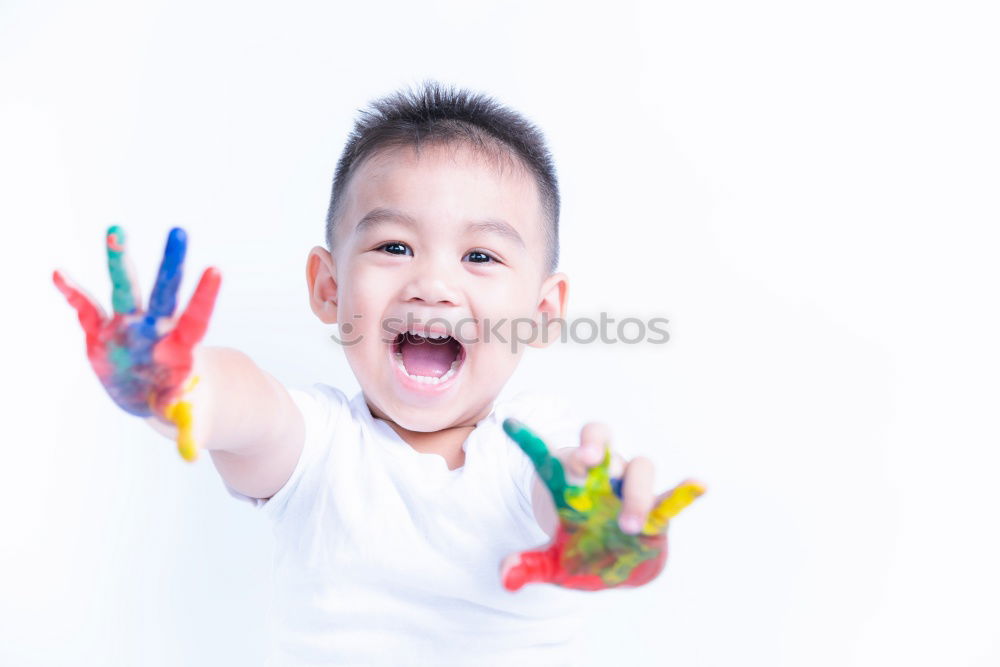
column 328, row 429
column 321, row 405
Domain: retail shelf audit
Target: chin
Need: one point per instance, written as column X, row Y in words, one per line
column 421, row 420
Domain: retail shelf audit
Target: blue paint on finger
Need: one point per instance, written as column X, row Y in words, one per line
column 163, row 299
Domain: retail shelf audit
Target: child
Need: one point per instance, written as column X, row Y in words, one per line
column 392, row 510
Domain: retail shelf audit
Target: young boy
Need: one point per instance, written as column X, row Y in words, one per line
column 393, row 510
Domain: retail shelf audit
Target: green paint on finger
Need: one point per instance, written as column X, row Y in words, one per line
column 548, row 467
column 122, row 299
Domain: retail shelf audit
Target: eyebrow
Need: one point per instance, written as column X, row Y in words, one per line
column 382, row 214
column 499, row 227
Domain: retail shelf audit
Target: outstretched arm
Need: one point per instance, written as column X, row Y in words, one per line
column 245, row 418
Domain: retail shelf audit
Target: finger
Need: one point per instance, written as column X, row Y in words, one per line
column 549, row 469
column 124, row 291
column 670, row 504
column 637, row 494
column 90, row 313
column 615, row 471
column 594, row 439
column 163, row 298
column 527, row 567
column 180, row 413
column 192, row 324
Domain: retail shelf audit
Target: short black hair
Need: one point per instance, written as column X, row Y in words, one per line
column 436, row 113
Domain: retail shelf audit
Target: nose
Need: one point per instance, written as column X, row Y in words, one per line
column 432, row 284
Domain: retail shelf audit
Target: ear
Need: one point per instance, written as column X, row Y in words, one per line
column 551, row 309
column 321, row 277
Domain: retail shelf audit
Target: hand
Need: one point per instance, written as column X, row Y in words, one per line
column 144, row 359
column 591, row 551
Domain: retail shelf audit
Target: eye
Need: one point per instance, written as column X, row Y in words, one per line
column 396, row 248
column 479, row 257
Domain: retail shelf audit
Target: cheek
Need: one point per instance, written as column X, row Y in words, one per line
column 365, row 291
column 505, row 298
column 495, row 363
column 505, row 315
column 364, row 297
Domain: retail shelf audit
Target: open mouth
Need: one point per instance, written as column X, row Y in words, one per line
column 433, row 359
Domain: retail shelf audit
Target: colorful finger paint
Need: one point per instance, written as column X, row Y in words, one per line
column 179, row 412
column 142, row 361
column 590, row 551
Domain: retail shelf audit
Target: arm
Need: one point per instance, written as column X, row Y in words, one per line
column 245, row 418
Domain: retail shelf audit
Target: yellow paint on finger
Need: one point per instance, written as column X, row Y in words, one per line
column 579, row 500
column 597, row 483
column 180, row 413
column 671, row 506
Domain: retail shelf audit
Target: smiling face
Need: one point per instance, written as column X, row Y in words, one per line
column 436, row 245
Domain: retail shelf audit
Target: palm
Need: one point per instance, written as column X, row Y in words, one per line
column 132, row 366
column 590, row 551
column 143, row 357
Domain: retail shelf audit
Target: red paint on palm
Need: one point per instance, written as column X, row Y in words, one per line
column 553, row 565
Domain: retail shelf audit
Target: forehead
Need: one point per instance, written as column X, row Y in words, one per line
column 448, row 185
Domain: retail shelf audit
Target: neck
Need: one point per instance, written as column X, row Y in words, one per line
column 446, row 443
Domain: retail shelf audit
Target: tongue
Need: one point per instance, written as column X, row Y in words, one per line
column 426, row 358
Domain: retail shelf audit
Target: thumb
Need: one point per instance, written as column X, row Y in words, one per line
column 526, row 567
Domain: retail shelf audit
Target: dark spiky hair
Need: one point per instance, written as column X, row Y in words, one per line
column 438, row 114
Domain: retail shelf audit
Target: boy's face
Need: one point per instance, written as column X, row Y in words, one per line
column 440, row 244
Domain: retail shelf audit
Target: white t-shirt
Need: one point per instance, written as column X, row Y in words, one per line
column 385, row 556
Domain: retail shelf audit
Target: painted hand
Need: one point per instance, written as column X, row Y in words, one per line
column 144, row 358
column 590, row 550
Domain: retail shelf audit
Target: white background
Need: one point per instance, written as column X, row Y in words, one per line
column 808, row 191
